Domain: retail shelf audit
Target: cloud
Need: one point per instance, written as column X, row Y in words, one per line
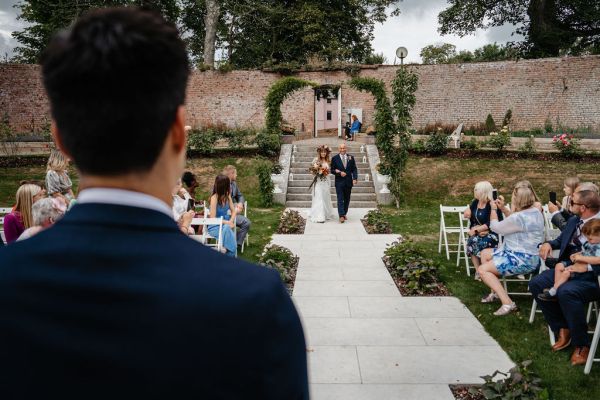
column 8, row 24
column 416, row 27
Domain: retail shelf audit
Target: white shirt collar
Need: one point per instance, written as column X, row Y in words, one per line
column 123, row 198
column 597, row 216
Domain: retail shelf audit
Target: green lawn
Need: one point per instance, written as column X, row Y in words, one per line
column 264, row 220
column 434, row 181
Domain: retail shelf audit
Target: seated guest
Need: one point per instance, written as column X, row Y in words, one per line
column 221, row 205
column 590, row 255
column 21, row 217
column 560, row 216
column 567, row 316
column 242, row 222
column 181, row 199
column 113, row 301
column 190, row 183
column 58, row 182
column 523, row 231
column 526, row 184
column 478, row 213
column 355, row 128
column 45, row 212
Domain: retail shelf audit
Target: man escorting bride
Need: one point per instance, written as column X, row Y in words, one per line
column 344, row 168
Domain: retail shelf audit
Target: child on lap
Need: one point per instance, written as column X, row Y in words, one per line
column 590, row 255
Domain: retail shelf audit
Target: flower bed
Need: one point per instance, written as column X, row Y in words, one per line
column 375, row 222
column 283, row 261
column 413, row 273
column 291, row 223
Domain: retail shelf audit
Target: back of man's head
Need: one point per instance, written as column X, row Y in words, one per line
column 115, row 81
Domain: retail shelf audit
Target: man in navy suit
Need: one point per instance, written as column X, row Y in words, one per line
column 566, row 316
column 346, row 175
column 114, row 301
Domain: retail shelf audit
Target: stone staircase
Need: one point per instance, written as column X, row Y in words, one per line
column 298, row 194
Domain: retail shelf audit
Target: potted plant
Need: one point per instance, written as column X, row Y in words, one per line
column 383, row 176
column 277, row 177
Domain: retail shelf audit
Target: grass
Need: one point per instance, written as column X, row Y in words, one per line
column 264, row 220
column 434, row 181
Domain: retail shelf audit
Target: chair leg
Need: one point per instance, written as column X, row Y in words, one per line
column 551, row 335
column 593, row 348
column 446, row 244
column 533, row 310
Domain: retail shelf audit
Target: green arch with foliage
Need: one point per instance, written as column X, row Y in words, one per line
column 278, row 92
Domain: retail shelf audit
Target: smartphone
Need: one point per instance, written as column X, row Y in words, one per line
column 495, row 194
column 552, row 197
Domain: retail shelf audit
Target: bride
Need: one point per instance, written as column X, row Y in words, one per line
column 321, row 208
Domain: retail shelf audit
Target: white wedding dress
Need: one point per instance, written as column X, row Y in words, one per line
column 321, row 209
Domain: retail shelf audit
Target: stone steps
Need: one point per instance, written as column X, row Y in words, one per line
column 353, row 204
column 355, row 189
column 355, row 197
column 301, row 171
column 305, row 180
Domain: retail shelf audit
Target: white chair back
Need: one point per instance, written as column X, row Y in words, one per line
column 456, row 136
column 3, row 212
column 206, row 238
column 445, row 229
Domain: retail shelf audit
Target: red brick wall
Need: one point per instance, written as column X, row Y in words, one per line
column 563, row 88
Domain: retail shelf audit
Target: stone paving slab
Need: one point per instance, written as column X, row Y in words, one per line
column 442, row 332
column 430, row 364
column 403, row 307
column 380, row 392
column 334, row 307
column 366, row 332
column 333, row 364
column 345, row 288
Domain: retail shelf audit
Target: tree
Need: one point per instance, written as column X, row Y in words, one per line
column 549, row 26
column 438, row 54
column 46, row 18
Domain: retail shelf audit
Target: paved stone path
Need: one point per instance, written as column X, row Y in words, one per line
column 367, row 342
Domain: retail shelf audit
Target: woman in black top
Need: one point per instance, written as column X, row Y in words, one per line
column 478, row 213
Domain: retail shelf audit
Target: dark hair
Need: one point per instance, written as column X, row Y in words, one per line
column 589, row 198
column 188, row 178
column 222, row 188
column 115, row 81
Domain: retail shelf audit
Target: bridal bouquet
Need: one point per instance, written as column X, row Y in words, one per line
column 320, row 171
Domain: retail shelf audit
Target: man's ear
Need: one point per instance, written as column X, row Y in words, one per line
column 58, row 140
column 178, row 131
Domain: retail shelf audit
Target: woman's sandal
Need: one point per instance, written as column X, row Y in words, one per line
column 490, row 298
column 506, row 309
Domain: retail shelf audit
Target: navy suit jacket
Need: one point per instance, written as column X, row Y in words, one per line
column 107, row 304
column 350, row 170
column 562, row 242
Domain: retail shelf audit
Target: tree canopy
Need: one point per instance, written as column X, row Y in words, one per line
column 550, row 27
column 245, row 33
column 445, row 53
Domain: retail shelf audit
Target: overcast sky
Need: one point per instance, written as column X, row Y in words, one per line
column 414, row 29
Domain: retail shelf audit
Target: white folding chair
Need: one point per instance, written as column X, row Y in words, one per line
column 551, row 232
column 206, row 238
column 594, row 346
column 246, row 241
column 446, row 230
column 464, row 237
column 3, row 212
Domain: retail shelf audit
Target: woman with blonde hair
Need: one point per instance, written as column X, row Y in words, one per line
column 58, row 183
column 21, row 217
column 526, row 184
column 523, row 231
column 478, row 213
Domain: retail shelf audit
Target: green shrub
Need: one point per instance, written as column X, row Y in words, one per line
column 263, row 171
column 520, row 383
column 291, row 222
column 418, row 146
column 377, row 222
column 437, row 143
column 282, row 260
column 490, row 124
column 237, row 138
column 507, row 117
column 203, row 140
column 409, row 263
column 268, row 144
column 500, row 140
column 528, row 147
column 471, row 144
column 548, row 125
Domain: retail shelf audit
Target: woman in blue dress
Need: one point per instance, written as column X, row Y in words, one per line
column 355, row 128
column 221, row 205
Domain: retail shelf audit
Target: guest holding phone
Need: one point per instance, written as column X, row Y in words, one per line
column 478, row 213
column 561, row 214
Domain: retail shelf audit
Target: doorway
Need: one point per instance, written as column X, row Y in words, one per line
column 328, row 111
